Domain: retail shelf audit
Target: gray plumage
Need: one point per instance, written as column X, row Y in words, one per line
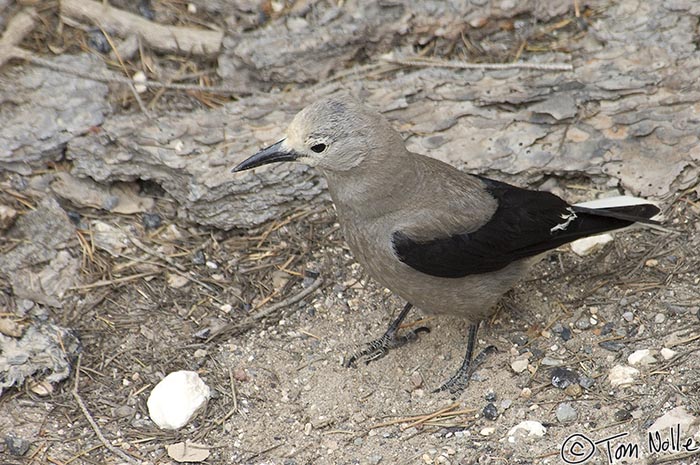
column 445, row 241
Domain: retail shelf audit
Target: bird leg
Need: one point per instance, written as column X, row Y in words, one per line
column 390, row 340
column 460, row 379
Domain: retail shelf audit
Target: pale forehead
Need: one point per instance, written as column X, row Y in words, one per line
column 328, row 117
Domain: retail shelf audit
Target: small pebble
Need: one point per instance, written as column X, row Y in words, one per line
column 519, row 339
column 16, row 446
column 586, row 382
column 573, row 390
column 565, row 334
column 563, row 377
column 621, row 375
column 416, row 380
column 566, row 413
column 199, row 258
column 583, row 323
column 552, row 362
column 607, row 329
column 490, row 412
column 506, row 403
column 176, row 399
column 628, row 316
column 526, row 428
column 651, row 263
column 526, row 393
column 488, row 431
column 139, row 79
column 642, row 356
column 96, row 40
column 612, row 346
column 151, row 221
column 622, row 415
column 659, row 318
column 667, row 353
column 490, row 396
column 519, row 365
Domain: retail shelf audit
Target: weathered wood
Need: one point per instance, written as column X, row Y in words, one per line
column 41, row 110
column 19, row 26
column 626, row 116
column 161, row 37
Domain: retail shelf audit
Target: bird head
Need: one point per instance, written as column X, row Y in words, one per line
column 334, row 134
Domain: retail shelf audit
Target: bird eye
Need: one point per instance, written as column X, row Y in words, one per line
column 318, row 148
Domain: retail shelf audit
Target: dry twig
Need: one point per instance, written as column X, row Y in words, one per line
column 118, row 452
column 436, row 63
column 160, row 37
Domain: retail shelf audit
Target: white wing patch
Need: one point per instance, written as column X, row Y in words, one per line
column 567, row 221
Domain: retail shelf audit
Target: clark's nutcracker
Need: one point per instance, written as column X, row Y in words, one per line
column 444, row 240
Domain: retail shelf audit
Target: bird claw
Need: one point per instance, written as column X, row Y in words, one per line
column 380, row 347
column 460, row 380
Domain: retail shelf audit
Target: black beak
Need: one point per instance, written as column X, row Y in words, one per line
column 273, row 154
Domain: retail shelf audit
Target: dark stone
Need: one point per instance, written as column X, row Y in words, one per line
column 17, row 446
column 74, row 217
column 490, row 412
column 563, row 377
column 586, row 382
column 607, row 329
column 199, row 258
column 565, row 334
column 612, row 346
column 490, row 396
column 151, row 221
column 97, row 41
column 622, row 415
column 519, row 339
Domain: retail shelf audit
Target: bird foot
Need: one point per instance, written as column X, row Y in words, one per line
column 460, row 379
column 379, row 347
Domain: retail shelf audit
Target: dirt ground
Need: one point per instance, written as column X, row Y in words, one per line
column 185, row 297
column 296, row 404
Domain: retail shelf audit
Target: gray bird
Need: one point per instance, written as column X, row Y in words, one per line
column 446, row 241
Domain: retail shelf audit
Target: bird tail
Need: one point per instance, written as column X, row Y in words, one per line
column 625, row 208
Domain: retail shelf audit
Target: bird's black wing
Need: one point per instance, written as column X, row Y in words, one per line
column 525, row 223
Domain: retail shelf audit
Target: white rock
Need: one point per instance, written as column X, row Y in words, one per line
column 488, row 431
column 621, row 375
column 667, row 353
column 175, row 400
column 519, row 365
column 139, row 79
column 188, row 452
column 585, row 246
column 525, row 429
column 638, row 355
column 677, row 416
